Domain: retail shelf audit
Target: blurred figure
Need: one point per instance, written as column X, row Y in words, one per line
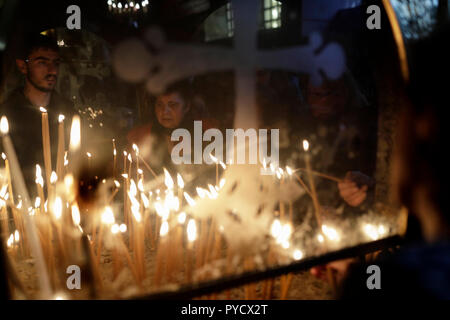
column 420, row 176
column 177, row 107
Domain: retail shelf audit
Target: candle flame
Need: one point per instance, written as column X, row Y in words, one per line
column 4, row 126
column 164, row 229
column 114, row 152
column 115, row 228
column 3, row 156
column 140, row 185
column 136, row 149
column 180, row 181
column 108, row 216
column 145, row 200
column 192, row 230
column 16, row 236
column 117, row 183
column 3, row 191
column 66, row 161
column 39, row 180
column 129, row 157
column 37, row 202
column 76, row 218
column 53, row 177
column 298, row 254
column 42, row 109
column 133, row 189
column 61, row 118
column 201, row 192
column 182, row 217
column 168, row 181
column 10, row 241
column 289, row 171
column 330, row 233
column 125, row 175
column 75, row 133
column 189, row 200
column 123, row 228
column 276, row 228
column 57, row 208
column 89, row 154
column 221, row 183
column 305, row 145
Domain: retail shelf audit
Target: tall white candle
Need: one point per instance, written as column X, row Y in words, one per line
column 30, row 227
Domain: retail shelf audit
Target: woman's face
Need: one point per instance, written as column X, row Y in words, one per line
column 170, row 110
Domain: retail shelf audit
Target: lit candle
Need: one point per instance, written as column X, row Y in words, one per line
column 61, row 147
column 30, row 227
column 46, row 147
column 192, row 236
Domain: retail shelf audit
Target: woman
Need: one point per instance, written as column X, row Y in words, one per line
column 177, row 107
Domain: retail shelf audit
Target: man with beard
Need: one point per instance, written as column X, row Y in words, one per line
column 39, row 64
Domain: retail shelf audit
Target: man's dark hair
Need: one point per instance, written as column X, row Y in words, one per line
column 34, row 42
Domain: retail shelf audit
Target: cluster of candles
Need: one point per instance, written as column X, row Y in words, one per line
column 128, row 6
column 182, row 244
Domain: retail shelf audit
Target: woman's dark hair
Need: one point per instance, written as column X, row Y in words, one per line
column 423, row 136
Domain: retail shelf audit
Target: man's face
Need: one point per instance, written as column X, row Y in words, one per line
column 41, row 68
column 170, row 110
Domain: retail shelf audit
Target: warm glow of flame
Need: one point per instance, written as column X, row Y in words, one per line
column 66, row 161
column 114, row 152
column 276, row 228
column 4, row 126
column 221, row 183
column 129, row 157
column 140, row 185
column 192, row 230
column 305, row 145
column 212, row 192
column 168, row 181
column 164, row 229
column 320, row 238
column 57, row 208
column 10, row 241
column 117, row 183
column 37, row 202
column 39, row 180
column 136, row 149
column 330, row 233
column 182, row 217
column 133, row 189
column 3, row 191
column 189, row 200
column 145, row 200
column 123, row 228
column 285, row 244
column 42, row 109
column 140, row 171
column 108, row 216
column 53, row 177
column 16, row 236
column 125, row 175
column 76, row 218
column 180, row 181
column 289, row 171
column 298, row 254
column 201, row 192
column 19, row 205
column 68, row 182
column 61, row 118
column 3, row 156
column 89, row 154
column 115, row 228
column 75, row 133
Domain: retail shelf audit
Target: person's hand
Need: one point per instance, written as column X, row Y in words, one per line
column 349, row 190
column 339, row 268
